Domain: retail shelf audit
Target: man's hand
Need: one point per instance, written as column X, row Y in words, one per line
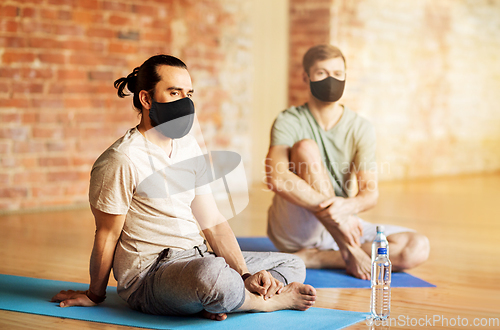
column 349, row 226
column 336, row 208
column 73, row 298
column 352, row 229
column 264, row 284
column 340, row 210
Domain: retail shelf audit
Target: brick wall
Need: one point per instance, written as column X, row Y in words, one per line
column 425, row 73
column 309, row 25
column 58, row 106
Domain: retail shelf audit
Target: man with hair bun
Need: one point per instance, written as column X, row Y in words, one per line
column 318, row 150
column 152, row 241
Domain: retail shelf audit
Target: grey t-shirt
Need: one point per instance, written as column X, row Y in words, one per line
column 346, row 148
column 131, row 178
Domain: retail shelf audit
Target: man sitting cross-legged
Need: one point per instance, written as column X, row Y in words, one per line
column 314, row 149
column 152, row 240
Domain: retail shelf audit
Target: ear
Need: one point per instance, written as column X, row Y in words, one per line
column 145, row 99
column 305, row 78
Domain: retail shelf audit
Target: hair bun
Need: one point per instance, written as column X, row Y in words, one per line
column 132, row 81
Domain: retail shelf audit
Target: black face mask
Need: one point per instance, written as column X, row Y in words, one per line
column 172, row 119
column 328, row 89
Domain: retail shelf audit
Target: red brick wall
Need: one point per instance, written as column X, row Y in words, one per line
column 309, row 26
column 408, row 72
column 58, row 61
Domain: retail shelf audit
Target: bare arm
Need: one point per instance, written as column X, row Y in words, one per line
column 286, row 183
column 108, row 231
column 338, row 207
column 334, row 212
column 367, row 196
column 217, row 231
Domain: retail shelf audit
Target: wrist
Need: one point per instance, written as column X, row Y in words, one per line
column 320, row 205
column 95, row 298
column 245, row 276
column 315, row 208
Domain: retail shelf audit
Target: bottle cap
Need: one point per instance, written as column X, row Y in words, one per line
column 380, row 229
column 382, row 251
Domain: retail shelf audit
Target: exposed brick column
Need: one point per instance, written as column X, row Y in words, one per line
column 309, row 26
column 425, row 73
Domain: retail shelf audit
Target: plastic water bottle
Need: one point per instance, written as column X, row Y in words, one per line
column 380, row 241
column 381, row 286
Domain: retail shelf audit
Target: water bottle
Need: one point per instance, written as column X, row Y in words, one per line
column 380, row 241
column 381, row 286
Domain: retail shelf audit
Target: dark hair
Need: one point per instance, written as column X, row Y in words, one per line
column 320, row 53
column 145, row 77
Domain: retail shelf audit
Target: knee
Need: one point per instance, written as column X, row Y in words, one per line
column 289, row 268
column 206, row 274
column 306, row 149
column 415, row 252
column 219, row 287
column 298, row 270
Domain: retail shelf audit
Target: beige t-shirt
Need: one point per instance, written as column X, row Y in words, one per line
column 137, row 178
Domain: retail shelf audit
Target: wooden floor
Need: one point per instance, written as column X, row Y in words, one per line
column 460, row 215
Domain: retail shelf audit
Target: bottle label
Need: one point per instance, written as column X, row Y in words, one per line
column 382, row 251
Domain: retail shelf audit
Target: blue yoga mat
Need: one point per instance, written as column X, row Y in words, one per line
column 31, row 295
column 333, row 278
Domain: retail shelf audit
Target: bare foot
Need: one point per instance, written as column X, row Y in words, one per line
column 212, row 316
column 310, row 257
column 314, row 258
column 294, row 296
column 358, row 264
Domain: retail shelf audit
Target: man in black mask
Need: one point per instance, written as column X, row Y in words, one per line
column 148, row 231
column 321, row 165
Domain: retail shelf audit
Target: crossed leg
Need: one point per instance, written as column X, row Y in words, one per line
column 408, row 249
column 286, row 268
column 187, row 283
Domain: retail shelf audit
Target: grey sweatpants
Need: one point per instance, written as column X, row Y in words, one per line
column 187, row 282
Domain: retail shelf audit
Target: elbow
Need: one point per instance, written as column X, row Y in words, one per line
column 107, row 237
column 369, row 198
column 269, row 180
column 273, row 175
column 270, row 183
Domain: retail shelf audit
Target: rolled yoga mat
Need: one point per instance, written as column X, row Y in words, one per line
column 32, row 295
column 333, row 278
